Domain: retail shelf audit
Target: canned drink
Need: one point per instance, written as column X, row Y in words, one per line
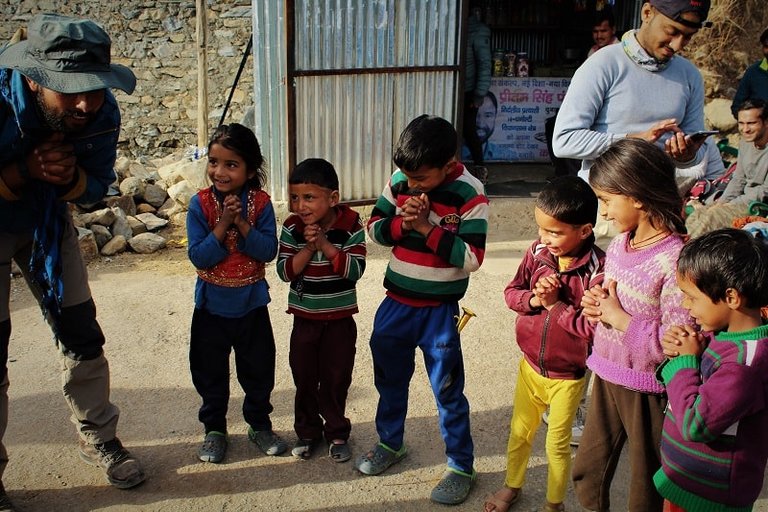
column 511, row 63
column 523, row 66
column 498, row 62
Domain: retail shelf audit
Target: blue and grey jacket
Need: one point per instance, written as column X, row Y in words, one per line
column 21, row 130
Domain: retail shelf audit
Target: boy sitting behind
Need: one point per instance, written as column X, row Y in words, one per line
column 322, row 254
column 434, row 215
column 713, row 449
column 553, row 335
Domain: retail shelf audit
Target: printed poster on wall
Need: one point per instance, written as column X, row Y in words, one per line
column 510, row 122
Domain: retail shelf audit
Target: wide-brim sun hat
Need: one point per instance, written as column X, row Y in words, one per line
column 67, row 55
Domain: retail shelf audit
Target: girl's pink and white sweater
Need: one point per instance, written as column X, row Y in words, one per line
column 647, row 289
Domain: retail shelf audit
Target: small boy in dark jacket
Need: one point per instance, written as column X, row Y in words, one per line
column 553, row 335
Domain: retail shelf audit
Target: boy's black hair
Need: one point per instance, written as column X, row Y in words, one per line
column 242, row 140
column 764, row 37
column 315, row 171
column 751, row 103
column 427, row 140
column 569, row 199
column 727, row 258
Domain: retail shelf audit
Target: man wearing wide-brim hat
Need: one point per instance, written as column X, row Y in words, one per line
column 59, row 127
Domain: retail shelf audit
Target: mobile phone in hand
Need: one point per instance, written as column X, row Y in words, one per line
column 701, row 135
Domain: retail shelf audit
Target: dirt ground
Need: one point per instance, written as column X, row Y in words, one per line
column 145, row 305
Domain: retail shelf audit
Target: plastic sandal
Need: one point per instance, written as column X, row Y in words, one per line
column 267, row 441
column 303, row 448
column 339, row 452
column 453, row 488
column 214, row 447
column 380, row 459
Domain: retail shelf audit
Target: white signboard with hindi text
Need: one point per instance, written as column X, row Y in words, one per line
column 510, row 122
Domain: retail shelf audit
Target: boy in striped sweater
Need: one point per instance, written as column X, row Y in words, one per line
column 713, row 448
column 434, row 215
column 322, row 255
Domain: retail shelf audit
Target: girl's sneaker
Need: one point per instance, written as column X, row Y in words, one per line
column 578, row 427
column 214, row 447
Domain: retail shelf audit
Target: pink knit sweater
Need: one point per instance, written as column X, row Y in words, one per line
column 647, row 290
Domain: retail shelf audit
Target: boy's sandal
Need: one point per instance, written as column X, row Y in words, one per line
column 303, row 448
column 454, row 487
column 553, row 507
column 496, row 502
column 213, row 449
column 267, row 441
column 339, row 452
column 380, row 459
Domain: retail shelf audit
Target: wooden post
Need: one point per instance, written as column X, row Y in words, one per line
column 202, row 74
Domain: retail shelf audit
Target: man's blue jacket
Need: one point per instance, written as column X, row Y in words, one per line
column 21, row 130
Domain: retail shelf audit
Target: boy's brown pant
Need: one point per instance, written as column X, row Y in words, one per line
column 322, row 358
column 617, row 415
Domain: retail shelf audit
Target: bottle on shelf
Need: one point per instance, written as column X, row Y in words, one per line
column 498, row 62
column 511, row 63
column 523, row 65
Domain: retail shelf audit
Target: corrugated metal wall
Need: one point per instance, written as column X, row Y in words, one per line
column 537, row 44
column 269, row 94
column 351, row 117
column 628, row 14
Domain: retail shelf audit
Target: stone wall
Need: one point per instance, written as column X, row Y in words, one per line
column 156, row 38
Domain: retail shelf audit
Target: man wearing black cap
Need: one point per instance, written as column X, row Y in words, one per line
column 59, row 127
column 641, row 88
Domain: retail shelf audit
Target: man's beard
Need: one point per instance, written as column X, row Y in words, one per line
column 53, row 120
column 484, row 135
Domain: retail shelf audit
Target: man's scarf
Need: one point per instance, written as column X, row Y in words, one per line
column 638, row 54
column 45, row 261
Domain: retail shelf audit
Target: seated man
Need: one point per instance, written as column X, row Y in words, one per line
column 749, row 182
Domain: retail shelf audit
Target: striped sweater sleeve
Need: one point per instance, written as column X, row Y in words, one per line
column 434, row 267
column 287, row 250
column 703, row 411
column 466, row 248
column 349, row 263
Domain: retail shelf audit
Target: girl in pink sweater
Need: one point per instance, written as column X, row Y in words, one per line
column 638, row 302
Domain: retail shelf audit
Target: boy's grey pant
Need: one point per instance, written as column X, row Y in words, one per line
column 84, row 369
